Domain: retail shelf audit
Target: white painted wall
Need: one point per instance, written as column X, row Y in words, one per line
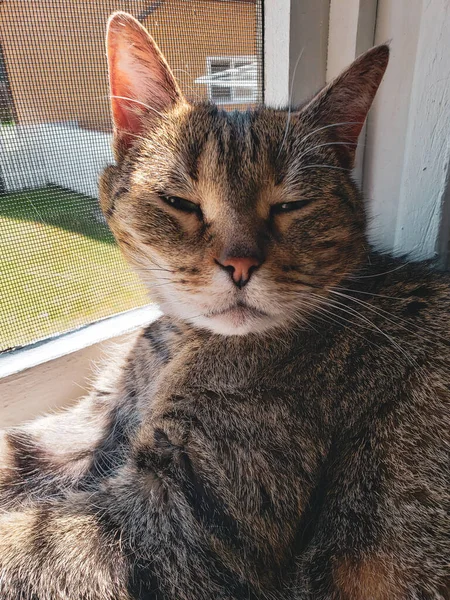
column 295, row 50
column 407, row 158
column 398, row 22
column 351, row 32
column 425, row 174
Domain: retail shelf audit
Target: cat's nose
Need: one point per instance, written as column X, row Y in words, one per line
column 240, row 269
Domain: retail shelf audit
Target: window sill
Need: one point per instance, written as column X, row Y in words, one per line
column 54, row 374
column 67, row 343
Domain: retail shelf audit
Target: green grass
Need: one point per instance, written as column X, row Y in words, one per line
column 59, row 266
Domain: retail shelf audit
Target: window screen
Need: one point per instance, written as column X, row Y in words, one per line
column 59, row 266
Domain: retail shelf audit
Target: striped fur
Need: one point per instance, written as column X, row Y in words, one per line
column 299, row 453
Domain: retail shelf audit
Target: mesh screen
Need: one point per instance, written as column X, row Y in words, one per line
column 59, row 265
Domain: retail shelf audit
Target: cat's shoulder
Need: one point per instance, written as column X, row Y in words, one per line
column 420, row 283
column 414, row 294
column 160, row 339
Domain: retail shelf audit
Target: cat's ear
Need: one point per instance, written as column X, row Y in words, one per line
column 141, row 82
column 344, row 103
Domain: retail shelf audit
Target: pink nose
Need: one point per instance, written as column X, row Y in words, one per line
column 240, row 269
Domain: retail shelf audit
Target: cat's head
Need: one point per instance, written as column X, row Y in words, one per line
column 237, row 222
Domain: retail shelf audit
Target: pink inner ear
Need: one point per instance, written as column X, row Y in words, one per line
column 125, row 115
column 141, row 82
column 343, row 105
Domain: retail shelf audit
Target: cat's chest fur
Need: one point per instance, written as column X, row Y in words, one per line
column 227, row 429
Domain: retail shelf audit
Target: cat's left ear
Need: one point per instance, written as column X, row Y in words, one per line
column 342, row 106
column 141, row 82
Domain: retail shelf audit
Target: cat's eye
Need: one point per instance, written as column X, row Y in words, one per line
column 182, row 204
column 285, row 207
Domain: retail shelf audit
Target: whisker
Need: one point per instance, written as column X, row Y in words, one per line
column 309, row 150
column 154, row 287
column 141, row 104
column 351, row 311
column 338, row 287
column 298, row 281
column 288, row 120
column 194, row 92
column 329, row 126
column 402, row 266
column 135, row 135
column 323, row 167
column 330, row 317
column 398, row 320
column 321, row 308
column 162, row 270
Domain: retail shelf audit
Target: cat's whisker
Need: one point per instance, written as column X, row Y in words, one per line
column 343, row 307
column 159, row 270
column 134, row 135
column 324, row 167
column 305, row 313
column 394, row 319
column 163, row 116
column 342, row 124
column 330, row 317
column 152, row 286
column 194, row 92
column 309, row 150
column 288, row 119
column 144, row 259
column 321, row 308
column 402, row 266
column 144, row 269
column 355, row 291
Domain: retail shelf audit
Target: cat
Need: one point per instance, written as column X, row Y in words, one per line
column 282, row 431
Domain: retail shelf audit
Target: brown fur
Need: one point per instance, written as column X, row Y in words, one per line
column 300, row 453
column 374, row 578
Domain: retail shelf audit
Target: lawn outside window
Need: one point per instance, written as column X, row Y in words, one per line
column 68, row 273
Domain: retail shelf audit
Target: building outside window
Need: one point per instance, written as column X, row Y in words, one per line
column 231, row 79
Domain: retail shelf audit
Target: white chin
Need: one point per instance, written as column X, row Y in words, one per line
column 235, row 322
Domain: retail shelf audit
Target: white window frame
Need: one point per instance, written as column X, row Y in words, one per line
column 407, row 187
column 210, row 60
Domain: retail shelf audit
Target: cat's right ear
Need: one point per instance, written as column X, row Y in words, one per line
column 141, row 82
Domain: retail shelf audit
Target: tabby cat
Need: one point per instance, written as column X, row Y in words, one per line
column 282, row 432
